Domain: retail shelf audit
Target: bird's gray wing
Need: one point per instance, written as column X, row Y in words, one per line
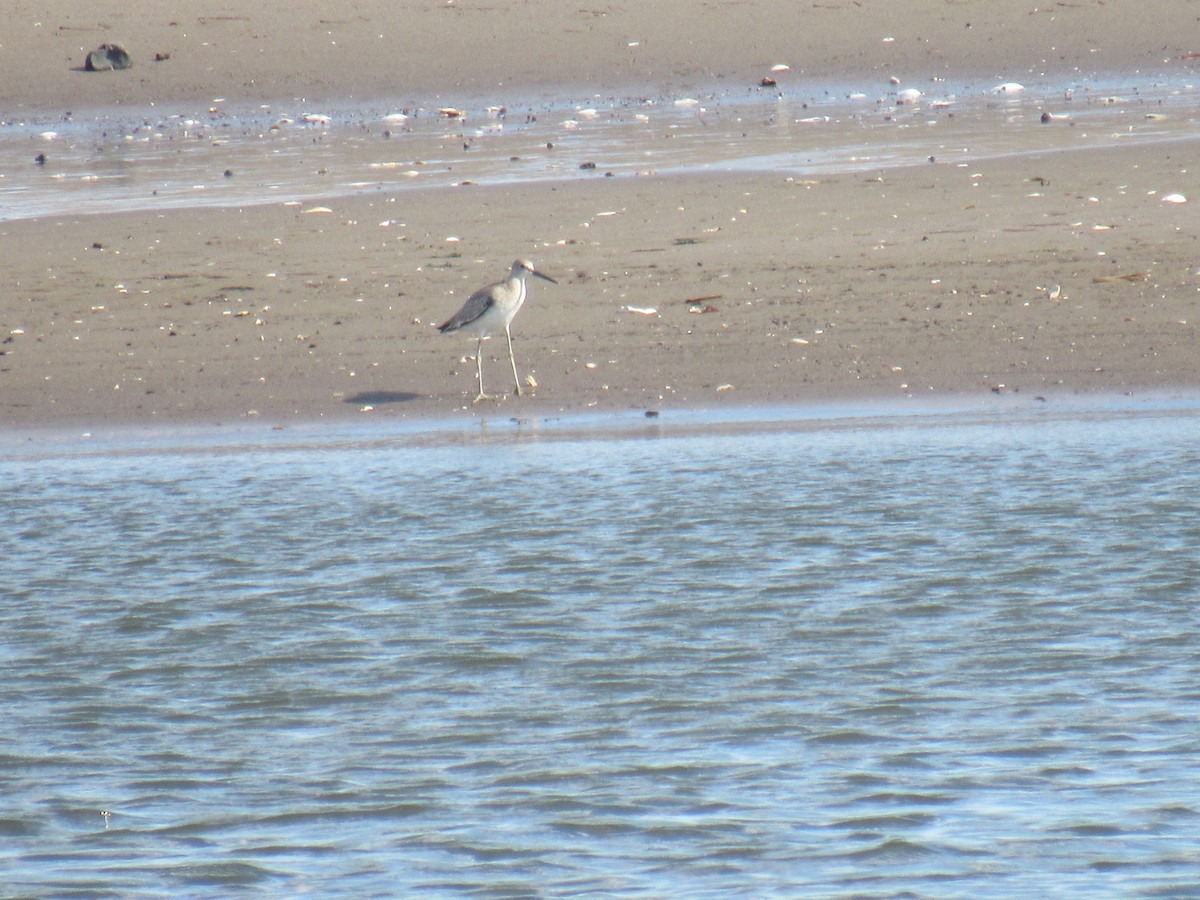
column 477, row 304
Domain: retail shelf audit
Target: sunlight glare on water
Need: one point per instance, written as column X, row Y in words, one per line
column 226, row 157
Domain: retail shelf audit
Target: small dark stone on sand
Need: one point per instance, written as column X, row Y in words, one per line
column 108, row 57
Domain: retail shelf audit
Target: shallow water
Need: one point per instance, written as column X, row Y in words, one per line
column 227, row 156
column 938, row 654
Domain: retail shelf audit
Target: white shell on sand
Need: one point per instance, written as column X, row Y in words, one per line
column 1174, row 198
column 316, row 119
column 780, row 67
column 908, row 96
column 1009, row 87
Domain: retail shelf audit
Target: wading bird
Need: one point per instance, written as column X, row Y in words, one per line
column 491, row 308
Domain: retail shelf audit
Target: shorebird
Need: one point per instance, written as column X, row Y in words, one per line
column 491, row 308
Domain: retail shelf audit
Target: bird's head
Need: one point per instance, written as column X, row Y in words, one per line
column 523, row 267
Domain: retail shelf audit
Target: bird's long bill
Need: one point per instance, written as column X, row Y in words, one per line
column 543, row 276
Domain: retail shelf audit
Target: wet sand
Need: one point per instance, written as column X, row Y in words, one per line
column 1042, row 273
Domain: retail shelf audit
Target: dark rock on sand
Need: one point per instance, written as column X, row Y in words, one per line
column 108, row 57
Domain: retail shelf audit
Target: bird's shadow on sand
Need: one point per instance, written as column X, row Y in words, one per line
column 378, row 398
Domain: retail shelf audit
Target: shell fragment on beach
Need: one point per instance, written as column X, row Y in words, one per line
column 641, row 310
column 1009, row 87
column 1174, row 198
column 907, row 97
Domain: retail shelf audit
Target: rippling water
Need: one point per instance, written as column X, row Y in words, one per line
column 936, row 654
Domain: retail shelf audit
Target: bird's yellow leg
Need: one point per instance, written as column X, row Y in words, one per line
column 513, row 362
column 479, row 372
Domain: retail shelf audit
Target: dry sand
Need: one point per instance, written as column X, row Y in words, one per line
column 923, row 281
column 415, row 51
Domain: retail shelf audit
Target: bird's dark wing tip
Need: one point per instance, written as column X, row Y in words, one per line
column 477, row 304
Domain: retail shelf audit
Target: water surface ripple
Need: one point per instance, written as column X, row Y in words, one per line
column 921, row 656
